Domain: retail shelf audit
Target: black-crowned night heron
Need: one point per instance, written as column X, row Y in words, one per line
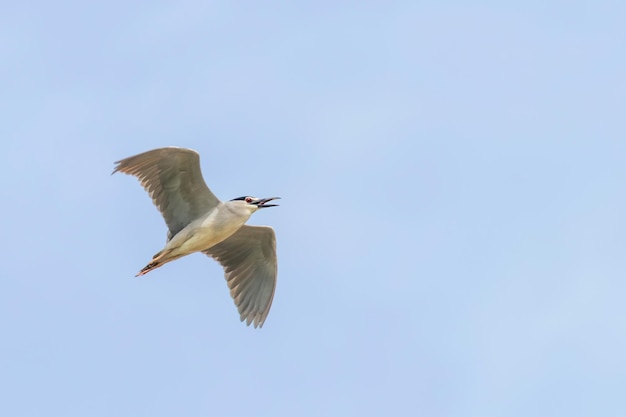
column 199, row 222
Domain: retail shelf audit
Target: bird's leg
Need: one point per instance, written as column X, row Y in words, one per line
column 160, row 259
column 148, row 268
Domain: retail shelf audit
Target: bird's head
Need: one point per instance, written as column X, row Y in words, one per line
column 253, row 203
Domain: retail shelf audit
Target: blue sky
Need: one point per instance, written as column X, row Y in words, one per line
column 450, row 239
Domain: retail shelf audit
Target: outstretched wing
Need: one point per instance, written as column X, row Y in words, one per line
column 249, row 261
column 173, row 179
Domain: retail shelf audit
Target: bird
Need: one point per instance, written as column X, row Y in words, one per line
column 198, row 221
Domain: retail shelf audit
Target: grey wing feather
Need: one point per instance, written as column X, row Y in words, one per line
column 173, row 179
column 250, row 267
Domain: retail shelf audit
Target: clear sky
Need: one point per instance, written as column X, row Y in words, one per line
column 451, row 237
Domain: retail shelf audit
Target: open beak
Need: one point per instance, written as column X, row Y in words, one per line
column 262, row 201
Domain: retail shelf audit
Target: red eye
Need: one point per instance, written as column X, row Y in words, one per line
column 248, row 199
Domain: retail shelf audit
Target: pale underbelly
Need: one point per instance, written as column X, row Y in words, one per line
column 197, row 239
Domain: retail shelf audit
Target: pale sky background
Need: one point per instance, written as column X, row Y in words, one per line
column 451, row 236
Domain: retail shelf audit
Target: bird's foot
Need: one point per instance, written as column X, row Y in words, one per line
column 148, row 268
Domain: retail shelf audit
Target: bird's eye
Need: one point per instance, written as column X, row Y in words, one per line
column 248, row 199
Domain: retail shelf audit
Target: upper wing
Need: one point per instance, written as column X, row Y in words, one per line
column 250, row 267
column 174, row 181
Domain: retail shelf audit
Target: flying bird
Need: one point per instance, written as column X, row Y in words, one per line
column 198, row 221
